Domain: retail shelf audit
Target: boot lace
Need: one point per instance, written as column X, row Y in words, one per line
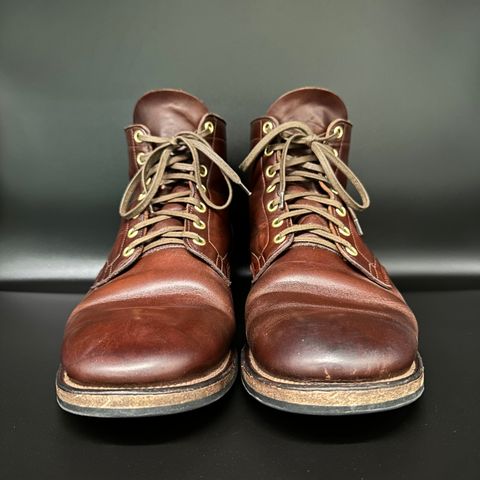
column 307, row 158
column 174, row 162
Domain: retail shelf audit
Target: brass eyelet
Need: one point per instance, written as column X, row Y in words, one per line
column 335, row 152
column 276, row 223
column 141, row 158
column 128, row 251
column 351, row 251
column 203, row 171
column 136, row 136
column 135, row 217
column 269, row 171
column 267, row 127
column 345, row 231
column 279, row 238
column 341, row 211
column 334, row 191
column 269, row 151
column 203, row 187
column 132, row 233
column 209, row 127
column 271, row 207
column 141, row 196
column 200, row 225
column 338, row 131
column 201, row 207
column 199, row 241
column 270, row 188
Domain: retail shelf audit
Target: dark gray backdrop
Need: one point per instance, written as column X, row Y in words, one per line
column 70, row 73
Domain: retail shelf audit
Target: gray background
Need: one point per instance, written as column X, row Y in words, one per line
column 70, row 73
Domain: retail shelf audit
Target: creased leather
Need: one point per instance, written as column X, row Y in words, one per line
column 166, row 315
column 315, row 314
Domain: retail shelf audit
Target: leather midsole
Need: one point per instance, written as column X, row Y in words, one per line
column 334, row 394
column 146, row 397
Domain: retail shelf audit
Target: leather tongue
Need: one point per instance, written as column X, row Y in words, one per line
column 168, row 112
column 316, row 107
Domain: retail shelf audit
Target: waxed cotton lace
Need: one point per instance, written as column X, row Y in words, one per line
column 174, row 161
column 306, row 157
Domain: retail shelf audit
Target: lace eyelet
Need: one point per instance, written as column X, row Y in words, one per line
column 345, row 231
column 342, row 212
column 132, row 233
column 269, row 151
column 276, row 223
column 201, row 207
column 338, row 131
column 269, row 171
column 141, row 196
column 267, row 127
column 203, row 171
column 279, row 238
column 270, row 188
column 334, row 191
column 271, row 207
column 141, row 158
column 200, row 241
column 351, row 251
column 128, row 251
column 335, row 152
column 136, row 136
column 209, row 127
column 200, row 225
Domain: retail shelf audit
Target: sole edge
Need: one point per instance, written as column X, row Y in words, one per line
column 333, row 399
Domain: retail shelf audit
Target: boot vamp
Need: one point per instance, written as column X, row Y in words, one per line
column 169, row 318
column 311, row 316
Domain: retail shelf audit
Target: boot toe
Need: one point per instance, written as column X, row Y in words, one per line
column 144, row 345
column 312, row 345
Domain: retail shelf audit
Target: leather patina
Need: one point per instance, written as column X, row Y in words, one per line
column 165, row 314
column 314, row 313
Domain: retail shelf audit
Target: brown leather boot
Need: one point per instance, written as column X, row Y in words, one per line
column 327, row 331
column 153, row 335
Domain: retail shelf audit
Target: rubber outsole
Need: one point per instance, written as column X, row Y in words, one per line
column 329, row 398
column 118, row 402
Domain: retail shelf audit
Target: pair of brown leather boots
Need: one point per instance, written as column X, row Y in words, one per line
column 327, row 331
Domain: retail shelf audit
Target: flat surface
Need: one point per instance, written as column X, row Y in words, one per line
column 436, row 438
column 70, row 73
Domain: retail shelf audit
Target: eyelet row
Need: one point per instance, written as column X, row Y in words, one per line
column 271, row 207
column 203, row 171
column 268, row 151
column 200, row 241
column 276, row 223
column 279, row 238
column 128, row 251
column 209, row 126
column 267, row 127
column 351, row 251
column 137, row 134
column 200, row 225
column 269, row 171
column 201, row 207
